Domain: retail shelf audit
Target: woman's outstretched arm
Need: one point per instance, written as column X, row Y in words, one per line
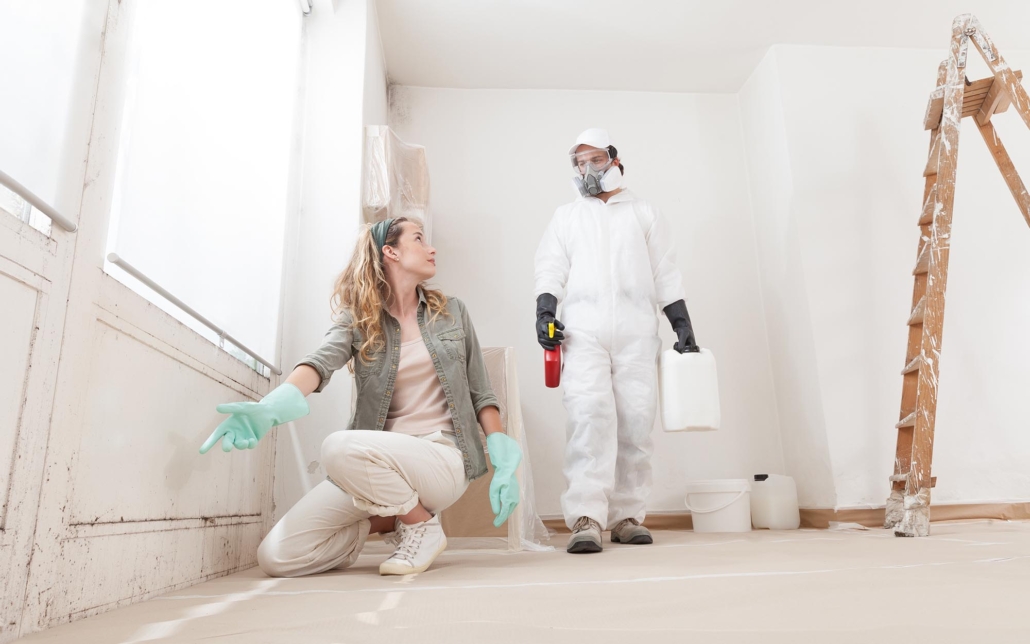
column 306, row 378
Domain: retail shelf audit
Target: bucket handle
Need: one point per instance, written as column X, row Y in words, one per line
column 693, row 511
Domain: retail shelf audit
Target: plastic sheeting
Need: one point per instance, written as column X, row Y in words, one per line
column 687, row 584
column 395, row 181
column 471, row 516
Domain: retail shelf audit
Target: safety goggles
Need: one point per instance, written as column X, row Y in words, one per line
column 599, row 158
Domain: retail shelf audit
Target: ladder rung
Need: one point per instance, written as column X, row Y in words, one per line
column 901, row 478
column 926, row 217
column 934, row 109
column 907, row 421
column 923, row 261
column 931, row 160
column 918, row 312
column 913, row 365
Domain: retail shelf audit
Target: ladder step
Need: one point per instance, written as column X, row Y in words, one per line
column 931, row 160
column 901, row 478
column 923, row 261
column 974, row 99
column 996, row 101
column 913, row 365
column 907, row 421
column 926, row 217
column 934, row 109
column 917, row 312
column 973, row 95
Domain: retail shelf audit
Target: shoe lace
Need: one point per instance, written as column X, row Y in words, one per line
column 410, row 543
column 624, row 522
column 584, row 523
column 395, row 536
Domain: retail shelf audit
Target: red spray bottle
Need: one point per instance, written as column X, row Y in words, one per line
column 552, row 362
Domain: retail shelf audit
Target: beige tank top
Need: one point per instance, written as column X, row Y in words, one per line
column 419, row 404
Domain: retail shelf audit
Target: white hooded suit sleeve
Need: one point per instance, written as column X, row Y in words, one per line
column 668, row 283
column 552, row 262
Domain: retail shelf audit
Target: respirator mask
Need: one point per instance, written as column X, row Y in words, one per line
column 594, row 172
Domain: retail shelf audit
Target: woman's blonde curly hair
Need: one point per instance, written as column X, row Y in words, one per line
column 362, row 291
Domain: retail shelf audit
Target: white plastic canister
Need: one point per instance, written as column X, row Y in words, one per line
column 774, row 502
column 688, row 391
column 720, row 505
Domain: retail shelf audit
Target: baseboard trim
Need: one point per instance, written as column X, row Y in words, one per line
column 820, row 518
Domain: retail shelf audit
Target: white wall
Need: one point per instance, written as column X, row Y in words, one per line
column 499, row 169
column 345, row 89
column 376, row 110
column 799, row 403
column 836, row 150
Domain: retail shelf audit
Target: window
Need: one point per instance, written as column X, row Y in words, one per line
column 19, row 208
column 201, row 185
column 40, row 62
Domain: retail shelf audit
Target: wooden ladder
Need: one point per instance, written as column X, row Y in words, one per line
column 955, row 97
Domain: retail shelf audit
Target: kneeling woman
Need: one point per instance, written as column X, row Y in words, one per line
column 412, row 446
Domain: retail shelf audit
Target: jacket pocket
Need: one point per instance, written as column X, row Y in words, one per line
column 364, row 372
column 453, row 341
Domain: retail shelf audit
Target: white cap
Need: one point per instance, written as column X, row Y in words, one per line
column 595, row 137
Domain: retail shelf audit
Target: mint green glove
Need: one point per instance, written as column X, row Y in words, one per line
column 250, row 421
column 505, row 456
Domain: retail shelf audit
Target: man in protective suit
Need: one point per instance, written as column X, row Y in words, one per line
column 608, row 259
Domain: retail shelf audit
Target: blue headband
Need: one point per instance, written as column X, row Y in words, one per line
column 379, row 231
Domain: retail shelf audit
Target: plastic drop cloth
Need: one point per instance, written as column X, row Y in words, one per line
column 468, row 523
column 395, row 181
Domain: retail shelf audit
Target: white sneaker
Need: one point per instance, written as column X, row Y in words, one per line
column 420, row 545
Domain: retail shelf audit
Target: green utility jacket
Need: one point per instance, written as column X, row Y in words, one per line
column 454, row 348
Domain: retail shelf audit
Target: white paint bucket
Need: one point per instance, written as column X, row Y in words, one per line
column 720, row 505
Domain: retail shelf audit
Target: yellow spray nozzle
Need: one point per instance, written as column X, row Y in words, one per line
column 550, row 329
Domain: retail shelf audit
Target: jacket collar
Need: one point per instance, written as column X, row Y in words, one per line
column 625, row 195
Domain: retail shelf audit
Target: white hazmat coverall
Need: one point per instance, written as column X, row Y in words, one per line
column 613, row 266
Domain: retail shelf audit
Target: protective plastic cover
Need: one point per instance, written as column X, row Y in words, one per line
column 471, row 517
column 395, row 181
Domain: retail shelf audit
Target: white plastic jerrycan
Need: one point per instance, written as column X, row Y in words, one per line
column 688, row 391
column 774, row 502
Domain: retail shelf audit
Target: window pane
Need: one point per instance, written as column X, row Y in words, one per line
column 15, row 206
column 204, row 158
column 39, row 47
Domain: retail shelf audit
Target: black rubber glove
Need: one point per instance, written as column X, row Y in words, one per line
column 680, row 320
column 546, row 308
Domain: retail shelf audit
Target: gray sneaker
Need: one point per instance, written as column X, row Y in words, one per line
column 586, row 537
column 630, row 531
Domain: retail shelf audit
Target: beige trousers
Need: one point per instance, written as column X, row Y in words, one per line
column 372, row 473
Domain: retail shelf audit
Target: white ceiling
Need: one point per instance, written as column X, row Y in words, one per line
column 653, row 45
